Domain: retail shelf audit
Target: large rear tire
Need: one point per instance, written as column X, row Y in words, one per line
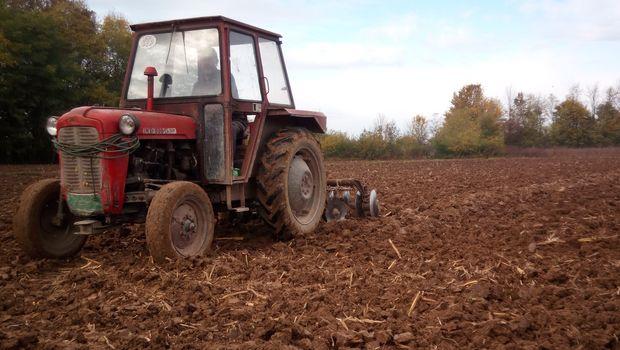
column 179, row 222
column 34, row 224
column 291, row 183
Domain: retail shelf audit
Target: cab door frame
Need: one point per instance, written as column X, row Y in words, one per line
column 246, row 107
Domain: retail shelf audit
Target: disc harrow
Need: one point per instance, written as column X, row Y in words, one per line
column 339, row 203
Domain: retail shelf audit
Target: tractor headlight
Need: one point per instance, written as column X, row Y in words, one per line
column 128, row 124
column 50, row 126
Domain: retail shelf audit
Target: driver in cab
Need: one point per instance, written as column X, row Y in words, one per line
column 209, row 82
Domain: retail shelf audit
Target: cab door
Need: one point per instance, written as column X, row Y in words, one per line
column 247, row 100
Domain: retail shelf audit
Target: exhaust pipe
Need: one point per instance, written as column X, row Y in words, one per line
column 151, row 73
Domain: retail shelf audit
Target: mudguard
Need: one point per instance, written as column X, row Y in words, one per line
column 313, row 121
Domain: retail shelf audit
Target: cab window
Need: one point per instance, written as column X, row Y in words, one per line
column 274, row 72
column 244, row 73
column 187, row 63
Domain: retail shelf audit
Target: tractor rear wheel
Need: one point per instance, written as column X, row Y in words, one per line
column 291, row 183
column 36, row 225
column 179, row 222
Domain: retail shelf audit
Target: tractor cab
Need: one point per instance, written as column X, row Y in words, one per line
column 225, row 74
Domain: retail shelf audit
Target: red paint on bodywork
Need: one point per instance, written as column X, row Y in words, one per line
column 316, row 119
column 185, row 127
column 105, row 120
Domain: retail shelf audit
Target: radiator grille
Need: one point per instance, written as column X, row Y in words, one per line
column 80, row 175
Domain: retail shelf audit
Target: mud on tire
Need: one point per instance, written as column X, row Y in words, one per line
column 179, row 222
column 32, row 223
column 291, row 201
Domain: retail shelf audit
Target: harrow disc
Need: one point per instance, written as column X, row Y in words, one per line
column 337, row 208
column 367, row 204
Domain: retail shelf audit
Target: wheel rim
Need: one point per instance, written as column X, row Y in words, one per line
column 303, row 192
column 188, row 228
column 55, row 235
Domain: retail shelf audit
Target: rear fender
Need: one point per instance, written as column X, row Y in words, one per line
column 314, row 121
column 278, row 119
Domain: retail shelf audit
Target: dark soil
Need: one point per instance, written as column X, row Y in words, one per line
column 498, row 253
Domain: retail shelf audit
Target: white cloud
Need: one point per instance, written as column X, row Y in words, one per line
column 577, row 19
column 343, row 55
column 449, row 36
column 467, row 13
column 394, row 29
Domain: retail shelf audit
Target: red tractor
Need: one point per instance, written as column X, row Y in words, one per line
column 206, row 124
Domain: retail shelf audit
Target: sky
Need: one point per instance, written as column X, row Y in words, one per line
column 356, row 59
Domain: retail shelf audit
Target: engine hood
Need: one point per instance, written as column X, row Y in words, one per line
column 153, row 125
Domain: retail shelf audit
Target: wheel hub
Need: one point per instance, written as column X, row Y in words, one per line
column 307, row 185
column 185, row 227
column 189, row 227
column 300, row 186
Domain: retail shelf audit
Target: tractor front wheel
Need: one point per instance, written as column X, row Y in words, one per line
column 291, row 183
column 37, row 227
column 179, row 222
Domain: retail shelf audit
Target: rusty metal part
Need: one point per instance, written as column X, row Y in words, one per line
column 201, row 22
column 78, row 174
column 313, row 121
column 304, row 180
column 336, row 209
column 88, row 227
column 346, row 183
column 300, row 186
column 137, row 197
column 366, row 201
column 188, row 227
column 373, row 204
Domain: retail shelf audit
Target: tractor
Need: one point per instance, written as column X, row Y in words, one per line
column 206, row 125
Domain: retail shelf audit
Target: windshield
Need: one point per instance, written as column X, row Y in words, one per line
column 187, row 62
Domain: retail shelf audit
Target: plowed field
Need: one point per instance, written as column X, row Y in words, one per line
column 486, row 253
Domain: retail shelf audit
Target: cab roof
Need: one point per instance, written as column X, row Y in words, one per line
column 198, row 20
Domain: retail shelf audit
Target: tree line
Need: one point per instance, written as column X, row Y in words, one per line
column 54, row 55
column 476, row 125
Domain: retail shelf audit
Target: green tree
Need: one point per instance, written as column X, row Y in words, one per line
column 409, row 147
column 460, row 135
column 336, row 144
column 53, row 56
column 470, row 98
column 5, row 57
column 609, row 122
column 382, row 138
column 525, row 124
column 418, row 129
column 370, row 145
column 116, row 37
column 34, row 82
column 27, row 4
column 573, row 125
column 472, row 125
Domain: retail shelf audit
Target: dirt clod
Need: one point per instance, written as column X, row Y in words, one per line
column 404, row 338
